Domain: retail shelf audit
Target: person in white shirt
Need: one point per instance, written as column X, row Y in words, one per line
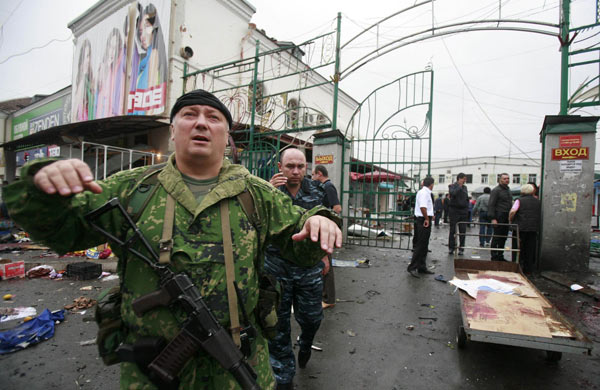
column 423, row 217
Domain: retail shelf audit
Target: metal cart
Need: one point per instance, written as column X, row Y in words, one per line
column 530, row 321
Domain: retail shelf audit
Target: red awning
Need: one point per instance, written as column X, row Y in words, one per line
column 378, row 176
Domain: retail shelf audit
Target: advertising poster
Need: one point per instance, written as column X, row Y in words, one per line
column 99, row 65
column 148, row 87
column 100, row 87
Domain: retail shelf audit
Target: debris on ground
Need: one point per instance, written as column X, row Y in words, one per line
column 39, row 271
column 32, row 332
column 87, row 342
column 13, row 313
column 350, row 333
column 410, row 327
column 359, row 263
column 81, row 303
column 440, row 278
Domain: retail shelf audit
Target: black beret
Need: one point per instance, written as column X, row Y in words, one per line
column 201, row 97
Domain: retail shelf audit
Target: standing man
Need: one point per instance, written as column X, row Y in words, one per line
column 446, row 207
column 438, row 207
column 52, row 197
column 301, row 286
column 459, row 211
column 481, row 208
column 498, row 210
column 423, row 217
column 331, row 201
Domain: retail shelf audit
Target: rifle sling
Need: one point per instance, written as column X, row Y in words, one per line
column 165, row 244
column 230, row 273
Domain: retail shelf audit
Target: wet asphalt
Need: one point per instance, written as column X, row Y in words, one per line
column 387, row 331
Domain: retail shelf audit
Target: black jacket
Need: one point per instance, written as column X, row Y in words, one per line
column 459, row 197
column 500, row 201
column 528, row 215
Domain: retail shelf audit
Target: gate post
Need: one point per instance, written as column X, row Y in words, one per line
column 328, row 150
column 567, row 192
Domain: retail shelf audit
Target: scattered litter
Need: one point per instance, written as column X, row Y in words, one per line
column 350, row 333
column 450, row 345
column 428, row 305
column 7, row 297
column 313, row 347
column 428, row 318
column 575, row 287
column 359, row 263
column 110, row 277
column 440, row 278
column 410, row 327
column 475, row 257
column 32, row 332
column 103, row 274
column 372, row 293
column 39, row 271
column 13, row 313
column 86, row 288
column 87, row 342
column 352, row 351
column 81, row 303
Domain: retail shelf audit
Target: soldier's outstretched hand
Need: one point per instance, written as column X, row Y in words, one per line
column 321, row 229
column 66, row 177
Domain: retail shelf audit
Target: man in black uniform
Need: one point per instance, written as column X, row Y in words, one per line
column 459, row 211
column 331, row 200
column 498, row 209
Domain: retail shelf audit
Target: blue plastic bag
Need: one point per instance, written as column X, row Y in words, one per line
column 31, row 332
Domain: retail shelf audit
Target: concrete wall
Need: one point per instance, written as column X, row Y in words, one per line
column 566, row 209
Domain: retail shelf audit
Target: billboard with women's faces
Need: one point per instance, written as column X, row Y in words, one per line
column 101, row 86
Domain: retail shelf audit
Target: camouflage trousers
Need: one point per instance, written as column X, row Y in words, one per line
column 302, row 289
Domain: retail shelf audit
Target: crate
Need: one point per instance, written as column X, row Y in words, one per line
column 11, row 270
column 84, row 270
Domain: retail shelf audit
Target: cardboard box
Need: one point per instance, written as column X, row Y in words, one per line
column 12, row 270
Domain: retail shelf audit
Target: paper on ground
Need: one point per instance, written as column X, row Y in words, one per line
column 19, row 312
column 471, row 287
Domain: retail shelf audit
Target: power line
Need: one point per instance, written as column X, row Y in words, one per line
column 479, row 105
column 35, row 48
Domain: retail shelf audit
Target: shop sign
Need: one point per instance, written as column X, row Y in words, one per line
column 325, row 159
column 54, row 113
column 27, row 155
column 569, row 141
column 581, row 153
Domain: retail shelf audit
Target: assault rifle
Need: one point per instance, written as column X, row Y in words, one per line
column 200, row 331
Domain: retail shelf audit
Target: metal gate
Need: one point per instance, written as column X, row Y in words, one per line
column 388, row 157
column 271, row 95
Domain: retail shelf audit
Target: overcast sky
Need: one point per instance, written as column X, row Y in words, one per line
column 486, row 83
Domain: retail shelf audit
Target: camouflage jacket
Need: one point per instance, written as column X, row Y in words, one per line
column 198, row 250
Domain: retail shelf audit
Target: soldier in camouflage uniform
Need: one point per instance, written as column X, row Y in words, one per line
column 52, row 197
column 302, row 287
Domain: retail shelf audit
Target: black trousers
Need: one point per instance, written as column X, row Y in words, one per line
column 499, row 238
column 457, row 215
column 528, row 251
column 420, row 245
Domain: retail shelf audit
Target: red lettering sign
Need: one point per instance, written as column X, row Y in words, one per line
column 571, row 153
column 569, row 141
column 327, row 159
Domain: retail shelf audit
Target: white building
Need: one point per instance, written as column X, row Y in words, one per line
column 484, row 172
